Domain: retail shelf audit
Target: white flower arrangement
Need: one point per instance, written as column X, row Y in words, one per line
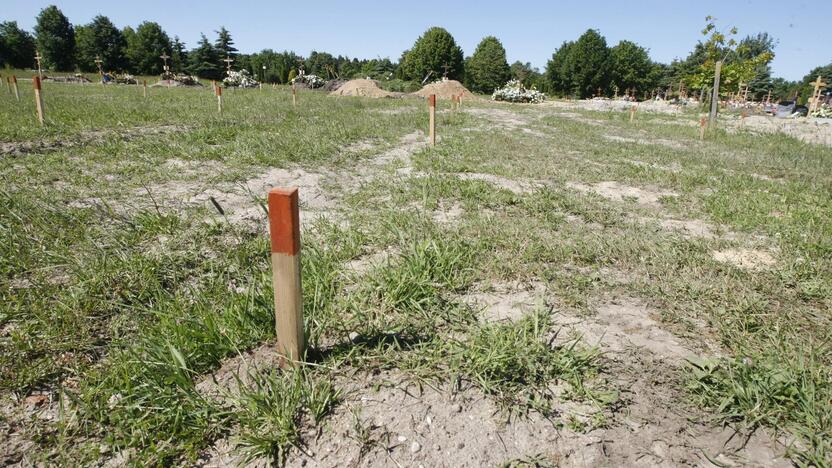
column 239, row 79
column 514, row 91
column 313, row 81
column 824, row 112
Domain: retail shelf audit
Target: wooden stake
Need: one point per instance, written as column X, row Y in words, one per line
column 432, row 119
column 459, row 101
column 632, row 112
column 218, row 92
column 715, row 95
column 8, row 85
column 144, row 88
column 284, row 228
column 38, row 98
column 294, row 96
column 14, row 85
column 702, row 123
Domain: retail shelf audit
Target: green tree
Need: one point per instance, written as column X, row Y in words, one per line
column 560, row 68
column 178, row 56
column 318, row 63
column 590, row 68
column 204, row 61
column 488, row 68
column 145, row 46
column 435, row 51
column 224, row 44
column 17, row 47
column 805, row 86
column 631, row 68
column 55, row 38
column 100, row 38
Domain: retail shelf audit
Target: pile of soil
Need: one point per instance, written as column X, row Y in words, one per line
column 446, row 89
column 367, row 88
column 333, row 85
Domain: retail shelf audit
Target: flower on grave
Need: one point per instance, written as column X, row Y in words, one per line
column 239, row 79
column 313, row 81
column 514, row 91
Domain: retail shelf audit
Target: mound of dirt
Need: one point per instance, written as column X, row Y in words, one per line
column 367, row 88
column 446, row 89
column 174, row 84
column 67, row 79
column 333, row 85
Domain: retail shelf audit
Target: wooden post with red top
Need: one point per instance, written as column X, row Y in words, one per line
column 144, row 88
column 284, row 228
column 632, row 112
column 38, row 98
column 703, row 122
column 432, row 119
column 218, row 92
column 16, row 90
column 9, row 85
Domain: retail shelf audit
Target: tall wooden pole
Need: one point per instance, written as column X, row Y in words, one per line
column 14, row 85
column 219, row 99
column 432, row 119
column 715, row 96
column 284, row 228
column 144, row 88
column 38, row 98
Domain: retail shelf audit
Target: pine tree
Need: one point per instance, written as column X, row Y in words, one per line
column 178, row 56
column 224, row 44
column 55, row 39
column 204, row 60
column 144, row 46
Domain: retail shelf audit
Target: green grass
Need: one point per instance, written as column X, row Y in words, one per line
column 123, row 299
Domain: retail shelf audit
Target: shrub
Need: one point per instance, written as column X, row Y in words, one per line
column 514, row 91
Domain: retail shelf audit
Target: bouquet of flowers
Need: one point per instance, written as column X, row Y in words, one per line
column 514, row 91
column 125, row 78
column 823, row 112
column 239, row 79
column 313, row 81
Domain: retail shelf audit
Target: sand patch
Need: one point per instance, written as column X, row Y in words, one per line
column 448, row 214
column 749, row 259
column 19, row 148
column 506, row 302
column 517, row 186
column 367, row 262
column 626, row 323
column 617, row 191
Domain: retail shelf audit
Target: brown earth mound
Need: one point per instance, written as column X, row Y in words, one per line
column 446, row 89
column 367, row 88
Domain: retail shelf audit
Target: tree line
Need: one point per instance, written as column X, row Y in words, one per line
column 581, row 68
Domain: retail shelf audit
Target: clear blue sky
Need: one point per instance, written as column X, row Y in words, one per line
column 530, row 30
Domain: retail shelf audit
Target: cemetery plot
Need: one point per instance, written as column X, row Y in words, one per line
column 551, row 284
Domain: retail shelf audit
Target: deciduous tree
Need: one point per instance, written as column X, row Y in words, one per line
column 55, row 39
column 17, row 47
column 488, row 68
column 100, row 38
column 435, row 51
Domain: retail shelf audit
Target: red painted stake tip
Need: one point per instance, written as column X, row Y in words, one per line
column 36, row 82
column 284, row 220
column 432, row 100
column 218, row 91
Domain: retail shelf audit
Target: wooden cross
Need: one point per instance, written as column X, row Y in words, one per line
column 815, row 102
column 98, row 62
column 164, row 58
column 228, row 61
column 446, row 67
column 37, row 59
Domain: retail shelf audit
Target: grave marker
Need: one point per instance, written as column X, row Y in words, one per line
column 702, row 123
column 432, row 119
column 218, row 92
column 228, row 60
column 815, row 100
column 294, row 96
column 99, row 62
column 14, row 85
column 632, row 112
column 144, row 88
column 9, row 85
column 284, row 229
column 38, row 59
column 38, row 98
